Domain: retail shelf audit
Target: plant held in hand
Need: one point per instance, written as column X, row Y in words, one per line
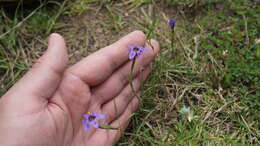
column 92, row 119
column 134, row 52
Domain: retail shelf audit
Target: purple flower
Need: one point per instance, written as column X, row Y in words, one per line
column 135, row 51
column 91, row 119
column 172, row 23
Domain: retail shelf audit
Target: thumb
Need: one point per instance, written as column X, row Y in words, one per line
column 43, row 79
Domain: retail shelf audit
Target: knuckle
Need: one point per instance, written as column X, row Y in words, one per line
column 38, row 62
column 126, row 94
column 137, row 82
column 140, row 33
column 133, row 105
column 155, row 44
column 110, row 116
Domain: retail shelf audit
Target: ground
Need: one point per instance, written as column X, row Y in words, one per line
column 204, row 89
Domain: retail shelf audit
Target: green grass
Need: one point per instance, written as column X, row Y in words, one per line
column 214, row 71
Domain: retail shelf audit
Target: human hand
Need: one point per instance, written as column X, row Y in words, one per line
column 46, row 106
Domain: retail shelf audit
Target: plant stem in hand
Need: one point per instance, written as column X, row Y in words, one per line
column 131, row 78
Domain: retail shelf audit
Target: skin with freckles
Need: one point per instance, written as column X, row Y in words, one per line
column 46, row 106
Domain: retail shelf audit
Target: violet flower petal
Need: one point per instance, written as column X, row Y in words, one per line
column 95, row 123
column 140, row 56
column 136, row 51
column 86, row 116
column 172, row 23
column 132, row 55
column 141, row 49
column 86, row 125
column 131, row 47
column 100, row 116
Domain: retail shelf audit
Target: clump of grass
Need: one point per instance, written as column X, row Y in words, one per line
column 117, row 23
column 77, row 7
column 19, row 47
column 191, row 3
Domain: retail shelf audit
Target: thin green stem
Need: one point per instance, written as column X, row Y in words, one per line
column 108, row 127
column 131, row 78
column 172, row 40
column 111, row 127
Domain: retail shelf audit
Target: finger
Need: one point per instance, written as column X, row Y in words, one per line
column 117, row 106
column 123, row 121
column 97, row 67
column 119, row 79
column 44, row 77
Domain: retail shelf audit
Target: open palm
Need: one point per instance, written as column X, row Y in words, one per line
column 46, row 106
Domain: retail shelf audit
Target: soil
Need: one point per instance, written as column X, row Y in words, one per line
column 95, row 28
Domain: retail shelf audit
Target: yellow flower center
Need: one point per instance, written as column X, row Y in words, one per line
column 90, row 118
column 135, row 49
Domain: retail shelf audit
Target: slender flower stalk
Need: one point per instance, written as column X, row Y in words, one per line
column 134, row 53
column 172, row 23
